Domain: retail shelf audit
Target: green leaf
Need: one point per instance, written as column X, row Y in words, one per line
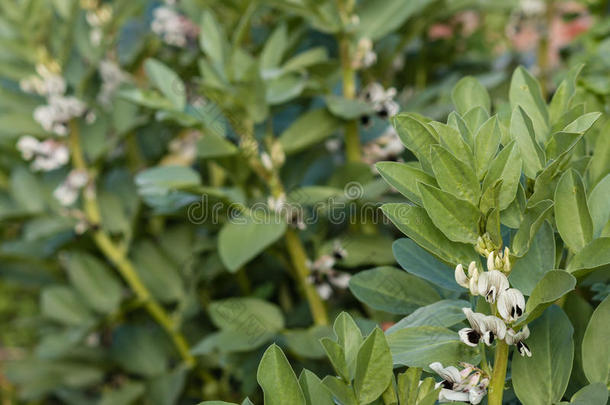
column 583, row 123
column 310, row 128
column 127, row 393
column 421, row 345
column 543, row 378
column 553, row 285
column 595, row 348
column 417, row 261
column 599, row 205
column 571, row 211
column 285, row 88
column 451, row 139
column 167, row 82
column 456, row 121
column 404, row 178
column 313, row 389
column 348, row 108
column 159, row 274
column 274, row 50
column 252, row 317
column 417, row 225
column 245, row 238
column 391, row 290
column 539, row 259
column 443, row 313
column 486, row 143
column 340, row 390
column 336, row 355
column 522, row 131
column 416, row 135
column 350, row 338
column 469, row 93
column 306, row 342
column 474, row 118
column 564, row 94
column 593, row 394
column 455, row 176
column 533, row 218
column 457, row 219
column 525, row 92
column 214, row 146
column 594, row 256
column 140, row 349
column 373, row 367
column 95, row 282
column 64, row 305
column 278, row 380
column 380, row 17
column 212, row 40
column 162, row 179
column 303, row 60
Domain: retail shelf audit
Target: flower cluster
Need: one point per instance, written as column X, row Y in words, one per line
column 68, row 191
column 364, row 56
column 45, row 155
column 112, row 76
column 509, row 302
column 381, row 100
column 97, row 18
column 323, row 275
column 54, row 116
column 173, row 28
column 468, row 385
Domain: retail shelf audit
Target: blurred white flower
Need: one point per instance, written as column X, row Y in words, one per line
column 45, row 83
column 47, row 155
column 112, row 77
column 364, row 56
column 172, row 27
column 67, row 192
column 324, row 277
column 54, row 116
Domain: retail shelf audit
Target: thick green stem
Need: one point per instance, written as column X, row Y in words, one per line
column 299, row 261
column 352, row 138
column 498, row 377
column 119, row 258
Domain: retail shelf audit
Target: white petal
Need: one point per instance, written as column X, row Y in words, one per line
column 476, row 395
column 524, row 333
column 473, row 270
column 510, row 337
column 446, row 395
column 324, row 290
column 524, row 349
column 450, row 373
column 511, row 304
column 491, row 284
column 469, row 336
column 476, row 320
column 491, row 262
column 460, row 276
column 340, row 279
column 495, row 325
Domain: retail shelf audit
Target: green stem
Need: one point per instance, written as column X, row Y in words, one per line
column 496, row 385
column 118, row 256
column 352, row 138
column 299, row 261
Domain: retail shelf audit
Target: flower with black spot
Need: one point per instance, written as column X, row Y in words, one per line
column 517, row 339
column 511, row 304
column 486, row 328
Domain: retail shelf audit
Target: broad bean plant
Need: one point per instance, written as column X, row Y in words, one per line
column 299, row 202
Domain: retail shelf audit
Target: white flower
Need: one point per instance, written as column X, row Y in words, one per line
column 46, row 83
column 464, row 386
column 491, row 284
column 469, row 281
column 385, row 147
column 54, row 116
column 511, row 304
column 381, row 100
column 364, row 56
column 173, row 28
column 517, row 339
column 266, row 161
column 112, row 76
column 67, row 192
column 47, row 155
column 483, row 327
column 324, row 277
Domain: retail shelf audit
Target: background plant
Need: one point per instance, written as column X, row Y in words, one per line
column 141, row 138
